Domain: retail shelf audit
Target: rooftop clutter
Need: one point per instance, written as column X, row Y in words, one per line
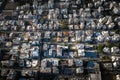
column 54, row 34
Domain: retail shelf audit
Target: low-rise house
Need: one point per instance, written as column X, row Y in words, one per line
column 35, row 36
column 64, row 11
column 65, row 16
column 81, row 52
column 79, row 70
column 78, row 62
column 88, row 38
column 80, row 46
column 45, row 46
column 65, row 39
column 91, row 67
column 99, row 25
column 44, row 62
column 4, row 72
column 68, row 71
column 106, row 50
column 50, row 4
column 6, row 56
column 15, row 47
column 93, row 24
column 70, row 62
column 63, row 63
column 115, row 49
column 97, row 34
column 53, row 47
column 55, row 62
column 54, row 53
column 106, row 35
column 11, row 63
column 103, row 20
column 64, row 46
column 76, row 21
column 28, row 73
column 45, row 28
column 72, row 39
column 88, row 32
column 45, row 70
column 116, row 10
column 71, row 33
column 34, row 43
column 115, row 37
column 8, row 44
column 49, row 62
column 116, row 64
column 16, row 40
column 70, row 22
column 55, row 70
column 34, row 63
column 7, row 63
column 108, row 65
column 46, row 53
column 53, row 34
column 94, row 76
column 65, row 54
column 100, row 38
column 24, row 56
column 35, row 52
column 28, row 63
column 2, row 22
column 21, row 63
column 25, row 45
column 65, row 33
column 118, row 77
column 73, row 47
column 111, row 25
column 50, row 52
column 59, row 34
column 59, row 50
column 113, row 58
column 75, row 54
column 112, row 33
column 39, row 26
column 79, row 36
column 71, row 54
column 89, row 47
column 47, row 34
column 12, row 51
column 59, row 39
column 11, row 75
